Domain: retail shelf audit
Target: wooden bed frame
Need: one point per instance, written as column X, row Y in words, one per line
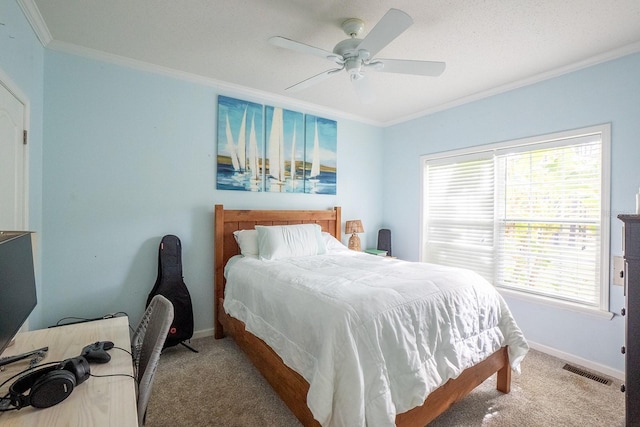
column 292, row 387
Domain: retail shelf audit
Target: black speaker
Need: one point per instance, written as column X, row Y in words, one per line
column 384, row 241
column 50, row 385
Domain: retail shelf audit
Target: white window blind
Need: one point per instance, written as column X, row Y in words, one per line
column 527, row 216
column 460, row 224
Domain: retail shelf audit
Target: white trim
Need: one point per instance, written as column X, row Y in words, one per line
column 152, row 68
column 556, row 303
column 594, row 366
column 604, row 130
column 423, row 208
column 8, row 83
column 589, row 62
column 531, row 140
column 603, row 369
column 222, row 86
column 203, row 333
column 32, row 13
column 605, row 214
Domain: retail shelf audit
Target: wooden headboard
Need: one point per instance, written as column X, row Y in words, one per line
column 228, row 221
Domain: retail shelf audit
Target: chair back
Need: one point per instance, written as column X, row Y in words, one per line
column 146, row 344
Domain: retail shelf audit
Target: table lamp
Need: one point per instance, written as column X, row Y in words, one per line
column 353, row 227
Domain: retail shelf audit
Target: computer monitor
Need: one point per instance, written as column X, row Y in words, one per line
column 17, row 284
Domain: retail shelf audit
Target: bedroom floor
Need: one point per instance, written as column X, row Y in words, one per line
column 219, row 387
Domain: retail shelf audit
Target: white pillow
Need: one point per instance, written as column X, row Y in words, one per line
column 332, row 243
column 288, row 241
column 247, row 241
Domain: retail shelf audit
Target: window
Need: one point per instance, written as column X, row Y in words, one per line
column 528, row 215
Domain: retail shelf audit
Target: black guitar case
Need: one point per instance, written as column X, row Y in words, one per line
column 170, row 284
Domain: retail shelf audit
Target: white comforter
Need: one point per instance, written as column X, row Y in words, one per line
column 372, row 336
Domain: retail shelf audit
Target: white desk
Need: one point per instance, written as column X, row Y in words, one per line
column 100, row 402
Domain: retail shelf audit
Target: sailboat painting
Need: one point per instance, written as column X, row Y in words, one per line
column 284, row 132
column 272, row 149
column 320, row 165
column 240, row 145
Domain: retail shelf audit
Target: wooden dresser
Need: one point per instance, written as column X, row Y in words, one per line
column 631, row 313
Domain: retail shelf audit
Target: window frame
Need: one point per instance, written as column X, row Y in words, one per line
column 532, row 143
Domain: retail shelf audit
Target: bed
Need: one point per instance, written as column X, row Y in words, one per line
column 292, row 386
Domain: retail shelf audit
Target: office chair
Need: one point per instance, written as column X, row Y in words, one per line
column 146, row 345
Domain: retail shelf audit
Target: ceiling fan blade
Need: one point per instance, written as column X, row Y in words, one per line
column 406, row 66
column 392, row 24
column 363, row 90
column 303, row 48
column 312, row 80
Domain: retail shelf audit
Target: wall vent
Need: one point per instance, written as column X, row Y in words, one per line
column 586, row 374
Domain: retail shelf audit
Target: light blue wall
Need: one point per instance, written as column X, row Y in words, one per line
column 129, row 157
column 22, row 61
column 609, row 92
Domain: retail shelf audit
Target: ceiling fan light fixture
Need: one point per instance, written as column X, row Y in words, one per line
column 352, row 66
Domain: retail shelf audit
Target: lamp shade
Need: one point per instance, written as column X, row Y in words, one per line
column 353, row 226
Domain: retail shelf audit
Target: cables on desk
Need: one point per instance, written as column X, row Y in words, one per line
column 84, row 319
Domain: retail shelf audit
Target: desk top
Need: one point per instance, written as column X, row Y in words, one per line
column 101, row 402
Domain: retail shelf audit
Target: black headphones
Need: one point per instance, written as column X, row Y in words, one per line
column 50, row 385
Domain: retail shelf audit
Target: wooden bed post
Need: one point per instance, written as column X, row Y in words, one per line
column 338, row 222
column 218, row 277
column 503, row 380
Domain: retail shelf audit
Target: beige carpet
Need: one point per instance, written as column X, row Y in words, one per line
column 219, row 387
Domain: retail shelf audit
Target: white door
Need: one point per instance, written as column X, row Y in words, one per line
column 13, row 161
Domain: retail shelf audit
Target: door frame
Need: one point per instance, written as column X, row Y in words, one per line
column 10, row 85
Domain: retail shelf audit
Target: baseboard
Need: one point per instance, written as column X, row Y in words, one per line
column 597, row 367
column 203, row 333
column 603, row 369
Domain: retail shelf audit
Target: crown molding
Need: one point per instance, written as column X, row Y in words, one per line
column 35, row 19
column 576, row 66
column 221, row 86
column 32, row 13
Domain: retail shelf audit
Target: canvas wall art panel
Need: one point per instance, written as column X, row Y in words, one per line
column 240, row 160
column 284, row 131
column 320, row 166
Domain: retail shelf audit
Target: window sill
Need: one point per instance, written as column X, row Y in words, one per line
column 565, row 305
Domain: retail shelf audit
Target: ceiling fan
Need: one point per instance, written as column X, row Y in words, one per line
column 356, row 55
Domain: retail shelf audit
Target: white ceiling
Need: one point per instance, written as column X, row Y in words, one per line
column 489, row 45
